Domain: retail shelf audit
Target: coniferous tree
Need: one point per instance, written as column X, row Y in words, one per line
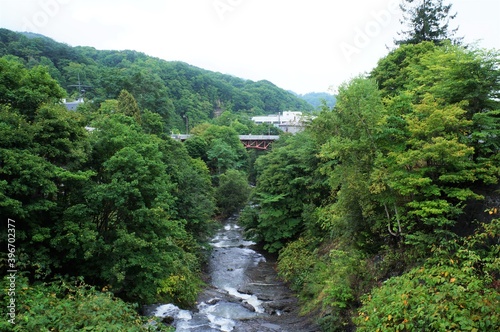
column 427, row 20
column 128, row 105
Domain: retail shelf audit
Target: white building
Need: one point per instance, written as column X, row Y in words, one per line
column 72, row 105
column 290, row 122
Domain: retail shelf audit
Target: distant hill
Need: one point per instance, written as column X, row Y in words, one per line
column 171, row 88
column 316, row 99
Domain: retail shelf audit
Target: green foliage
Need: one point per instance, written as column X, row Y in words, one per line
column 60, row 136
column 363, row 195
column 128, row 106
column 66, row 306
column 392, row 72
column 183, row 95
column 132, row 213
column 223, row 148
column 232, row 193
column 296, row 262
column 284, row 188
column 152, row 123
column 24, row 90
column 319, row 99
column 435, row 162
column 395, row 164
column 123, row 205
column 427, row 20
column 352, row 148
column 197, row 147
column 432, row 157
column 457, row 289
column 329, row 282
column 194, row 193
column 221, row 156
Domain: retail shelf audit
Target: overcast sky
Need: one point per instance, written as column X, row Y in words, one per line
column 299, row 45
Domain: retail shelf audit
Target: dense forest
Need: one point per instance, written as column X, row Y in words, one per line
column 175, row 90
column 317, row 99
column 105, row 208
column 384, row 211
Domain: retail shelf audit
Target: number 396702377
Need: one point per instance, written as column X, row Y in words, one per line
column 11, row 239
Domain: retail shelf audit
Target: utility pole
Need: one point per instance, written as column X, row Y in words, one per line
column 187, row 123
column 81, row 88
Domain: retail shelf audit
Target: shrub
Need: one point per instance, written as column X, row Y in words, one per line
column 455, row 290
column 328, row 283
column 232, row 193
column 64, row 306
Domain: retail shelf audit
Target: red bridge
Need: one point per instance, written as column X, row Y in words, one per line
column 261, row 142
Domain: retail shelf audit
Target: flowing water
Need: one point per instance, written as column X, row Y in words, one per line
column 245, row 293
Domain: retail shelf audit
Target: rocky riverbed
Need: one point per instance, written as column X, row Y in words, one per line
column 244, row 293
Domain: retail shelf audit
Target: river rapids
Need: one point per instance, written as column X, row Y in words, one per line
column 244, row 294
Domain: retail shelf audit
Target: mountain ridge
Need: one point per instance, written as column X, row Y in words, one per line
column 173, row 89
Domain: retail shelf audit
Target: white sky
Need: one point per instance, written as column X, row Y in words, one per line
column 298, row 45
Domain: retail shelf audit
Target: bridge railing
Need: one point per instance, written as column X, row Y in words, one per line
column 180, row 137
column 183, row 137
column 259, row 137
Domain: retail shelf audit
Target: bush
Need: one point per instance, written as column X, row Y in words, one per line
column 233, row 192
column 456, row 290
column 328, row 283
column 64, row 306
column 441, row 298
column 296, row 263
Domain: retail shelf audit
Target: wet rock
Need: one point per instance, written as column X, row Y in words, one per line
column 248, row 306
column 284, row 305
column 213, row 301
column 168, row 320
column 245, row 290
column 266, row 297
column 241, row 283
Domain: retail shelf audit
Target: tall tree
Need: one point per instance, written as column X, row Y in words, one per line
column 233, row 192
column 25, row 90
column 427, row 20
column 349, row 156
column 289, row 186
column 128, row 105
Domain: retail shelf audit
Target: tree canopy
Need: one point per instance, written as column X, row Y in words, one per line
column 390, row 195
column 426, row 20
column 105, row 197
column 183, row 95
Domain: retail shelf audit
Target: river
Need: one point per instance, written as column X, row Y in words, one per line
column 244, row 295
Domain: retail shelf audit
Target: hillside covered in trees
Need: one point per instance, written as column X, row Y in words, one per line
column 103, row 208
column 175, row 90
column 384, row 212
column 107, row 211
column 317, row 99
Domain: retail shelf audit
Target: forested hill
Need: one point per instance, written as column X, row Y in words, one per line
column 171, row 88
column 317, row 99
